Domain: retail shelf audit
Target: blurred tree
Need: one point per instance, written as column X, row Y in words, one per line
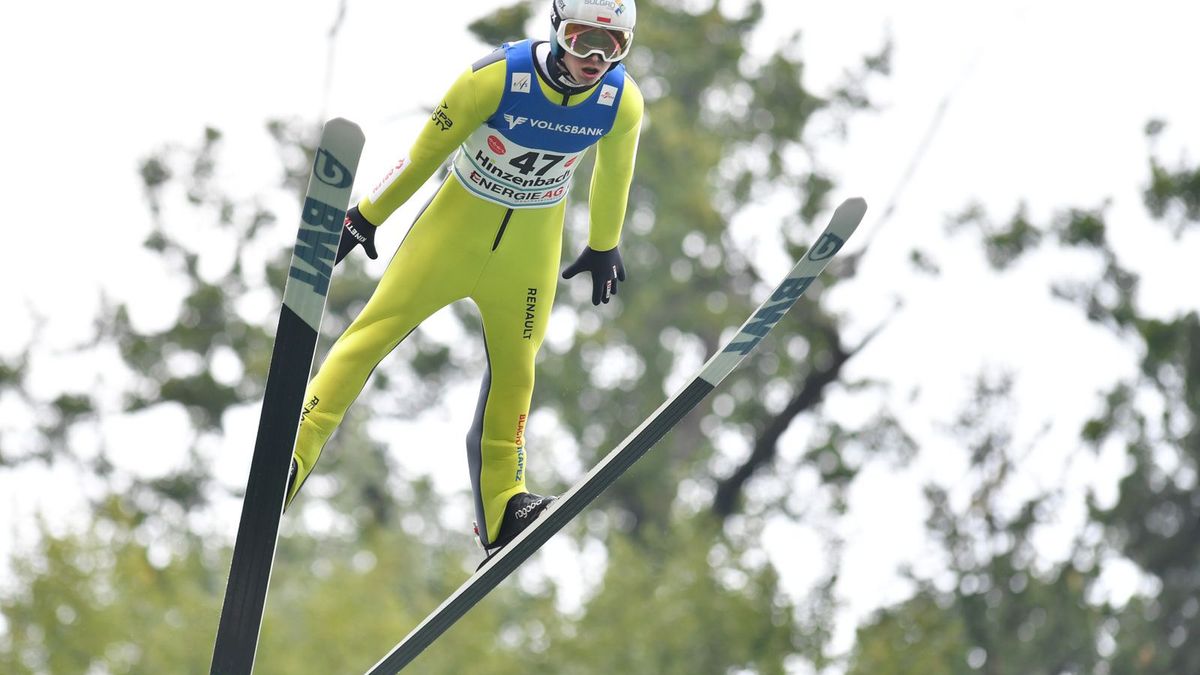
column 688, row 605
column 1008, row 610
column 1155, row 521
column 998, row 608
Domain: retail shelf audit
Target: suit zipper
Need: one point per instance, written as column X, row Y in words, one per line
column 503, row 224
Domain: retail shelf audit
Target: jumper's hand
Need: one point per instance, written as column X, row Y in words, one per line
column 606, row 268
column 356, row 230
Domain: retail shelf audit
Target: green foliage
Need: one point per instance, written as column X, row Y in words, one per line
column 1082, row 228
column 506, row 24
column 1152, row 418
column 916, row 636
column 1157, row 510
column 690, row 606
column 1172, row 193
column 106, row 599
column 1004, row 243
column 114, row 599
column 995, row 610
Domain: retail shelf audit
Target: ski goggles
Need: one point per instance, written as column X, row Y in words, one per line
column 584, row 39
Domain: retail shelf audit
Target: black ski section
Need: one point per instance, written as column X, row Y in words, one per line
column 254, row 550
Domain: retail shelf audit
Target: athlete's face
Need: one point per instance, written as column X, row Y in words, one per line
column 585, row 71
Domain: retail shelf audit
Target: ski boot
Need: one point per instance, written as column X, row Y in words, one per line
column 522, row 509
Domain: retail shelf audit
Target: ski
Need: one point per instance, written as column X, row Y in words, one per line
column 322, row 216
column 560, row 512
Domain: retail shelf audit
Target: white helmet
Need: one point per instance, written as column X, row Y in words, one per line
column 586, row 27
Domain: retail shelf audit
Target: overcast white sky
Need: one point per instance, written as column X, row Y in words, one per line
column 1046, row 104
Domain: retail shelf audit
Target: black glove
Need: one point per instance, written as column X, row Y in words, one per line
column 606, row 268
column 356, row 230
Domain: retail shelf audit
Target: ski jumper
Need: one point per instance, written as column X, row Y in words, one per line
column 491, row 233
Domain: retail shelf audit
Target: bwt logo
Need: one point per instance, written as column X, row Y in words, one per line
column 330, row 171
column 826, row 247
column 514, row 121
column 317, row 243
column 765, row 319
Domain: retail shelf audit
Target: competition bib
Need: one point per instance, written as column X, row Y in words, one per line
column 504, row 171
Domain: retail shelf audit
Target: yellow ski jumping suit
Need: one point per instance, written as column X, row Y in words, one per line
column 491, row 233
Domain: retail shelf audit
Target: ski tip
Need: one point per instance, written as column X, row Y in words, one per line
column 852, row 206
column 847, row 217
column 340, row 121
column 345, row 128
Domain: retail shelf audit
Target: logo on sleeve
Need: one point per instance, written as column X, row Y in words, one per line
column 441, row 117
column 608, row 95
column 388, row 179
column 520, row 83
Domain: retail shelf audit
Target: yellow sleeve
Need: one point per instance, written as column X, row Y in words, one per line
column 473, row 97
column 615, row 155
